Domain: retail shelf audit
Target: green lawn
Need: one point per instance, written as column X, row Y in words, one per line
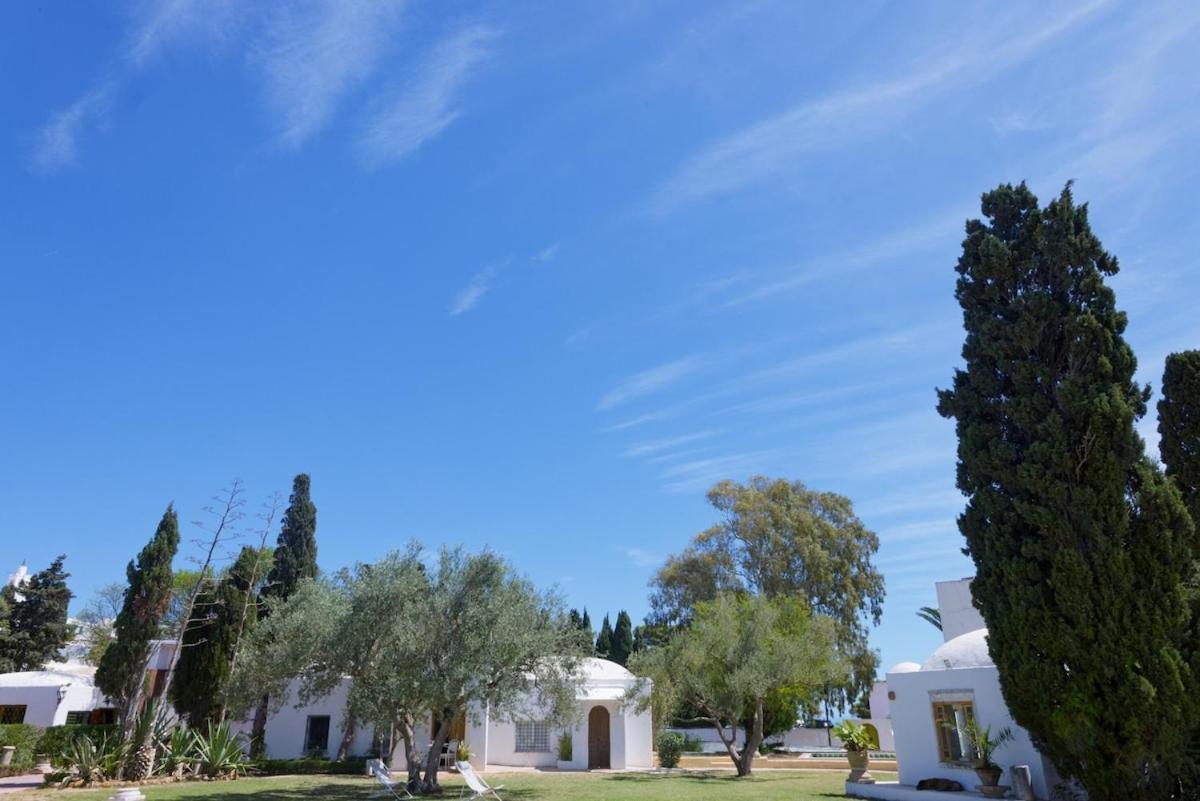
column 722, row 786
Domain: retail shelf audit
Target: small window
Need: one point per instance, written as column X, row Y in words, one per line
column 78, row 717
column 12, row 713
column 533, row 736
column 950, row 719
column 316, row 737
column 104, row 716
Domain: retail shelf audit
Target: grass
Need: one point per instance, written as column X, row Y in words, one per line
column 723, row 786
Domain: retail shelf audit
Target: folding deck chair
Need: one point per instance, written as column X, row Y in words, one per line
column 479, row 788
column 380, row 771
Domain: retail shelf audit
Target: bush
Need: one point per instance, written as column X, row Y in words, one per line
column 566, row 749
column 692, row 744
column 55, row 739
column 308, row 766
column 670, row 748
column 25, row 738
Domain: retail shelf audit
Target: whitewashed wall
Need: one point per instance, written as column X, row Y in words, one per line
column 917, row 752
column 40, row 697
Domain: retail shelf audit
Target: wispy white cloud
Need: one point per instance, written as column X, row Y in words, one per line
column 640, row 420
column 547, row 254
column 316, row 52
column 1017, row 121
column 777, row 144
column 470, row 295
column 640, row 556
column 426, row 106
column 655, row 446
column 702, row 473
column 650, row 381
column 153, row 28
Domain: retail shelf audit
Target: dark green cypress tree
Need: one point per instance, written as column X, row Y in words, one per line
column 296, row 549
column 604, row 641
column 203, row 670
column 6, row 665
column 586, row 625
column 1081, row 545
column 1179, row 426
column 622, row 639
column 121, row 671
column 37, row 626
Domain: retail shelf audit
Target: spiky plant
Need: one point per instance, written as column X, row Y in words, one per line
column 143, row 744
column 179, row 751
column 219, row 753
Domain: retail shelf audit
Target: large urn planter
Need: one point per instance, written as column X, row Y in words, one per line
column 859, row 762
column 989, row 781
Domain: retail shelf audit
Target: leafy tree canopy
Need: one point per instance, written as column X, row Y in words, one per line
column 36, row 628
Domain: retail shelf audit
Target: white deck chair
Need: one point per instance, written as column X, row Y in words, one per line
column 380, row 771
column 479, row 788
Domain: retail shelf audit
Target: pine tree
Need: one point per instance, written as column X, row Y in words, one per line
column 203, row 670
column 604, row 642
column 586, row 625
column 622, row 639
column 1179, row 426
column 296, row 549
column 1081, row 546
column 122, row 670
column 37, row 628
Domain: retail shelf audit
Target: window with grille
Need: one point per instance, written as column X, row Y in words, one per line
column 12, row 713
column 533, row 736
column 950, row 720
column 78, row 717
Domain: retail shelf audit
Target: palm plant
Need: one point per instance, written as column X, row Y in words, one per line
column 931, row 615
column 219, row 753
column 854, row 736
column 178, row 751
column 983, row 743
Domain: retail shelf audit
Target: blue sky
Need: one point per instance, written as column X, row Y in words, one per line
column 533, row 276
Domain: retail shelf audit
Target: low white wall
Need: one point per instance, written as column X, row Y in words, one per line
column 639, row 739
column 917, row 753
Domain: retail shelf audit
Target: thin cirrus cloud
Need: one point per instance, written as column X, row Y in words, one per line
column 469, row 296
column 315, row 53
column 776, row 144
column 652, row 380
column 428, row 103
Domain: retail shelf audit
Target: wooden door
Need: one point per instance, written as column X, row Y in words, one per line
column 599, row 754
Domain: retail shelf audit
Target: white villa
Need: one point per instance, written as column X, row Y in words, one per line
column 608, row 735
column 928, row 704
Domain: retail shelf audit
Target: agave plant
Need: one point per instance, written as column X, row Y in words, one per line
column 178, row 751
column 219, row 753
column 91, row 762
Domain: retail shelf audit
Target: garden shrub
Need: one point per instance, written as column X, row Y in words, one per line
column 308, row 766
column 25, row 738
column 55, row 739
column 670, row 748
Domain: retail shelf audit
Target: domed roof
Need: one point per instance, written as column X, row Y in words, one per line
column 604, row 670
column 905, row 667
column 968, row 650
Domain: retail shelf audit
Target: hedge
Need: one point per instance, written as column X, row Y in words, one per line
column 25, row 737
column 55, row 739
column 309, row 765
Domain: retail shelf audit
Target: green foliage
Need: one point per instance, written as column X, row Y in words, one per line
column 931, row 615
column 737, row 651
column 122, row 667
column 36, row 628
column 295, row 556
column 1179, row 426
column 25, row 739
column 670, row 747
column 1081, row 545
column 202, row 672
column 178, row 751
column 622, row 639
column 854, row 736
column 604, row 640
column 984, row 744
column 55, row 739
column 219, row 753
column 90, row 761
column 779, row 539
column 354, row 766
column 566, row 748
column 183, row 583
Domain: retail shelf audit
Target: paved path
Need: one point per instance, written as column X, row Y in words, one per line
column 14, row 784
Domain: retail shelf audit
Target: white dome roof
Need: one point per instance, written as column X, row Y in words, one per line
column 968, row 650
column 905, row 667
column 604, row 670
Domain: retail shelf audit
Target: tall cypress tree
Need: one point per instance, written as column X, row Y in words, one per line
column 37, row 626
column 1081, row 546
column 622, row 639
column 604, row 640
column 121, row 671
column 586, row 624
column 296, row 549
column 6, row 665
column 203, row 670
column 1179, row 426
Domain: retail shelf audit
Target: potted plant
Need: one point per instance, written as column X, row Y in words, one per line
column 984, row 745
column 566, row 751
column 857, row 741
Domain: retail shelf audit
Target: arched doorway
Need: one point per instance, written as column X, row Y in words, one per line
column 599, row 750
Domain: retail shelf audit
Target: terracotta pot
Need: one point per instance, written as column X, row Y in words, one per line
column 989, row 776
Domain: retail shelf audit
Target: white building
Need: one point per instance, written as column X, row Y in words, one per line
column 608, row 734
column 928, row 704
column 51, row 698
